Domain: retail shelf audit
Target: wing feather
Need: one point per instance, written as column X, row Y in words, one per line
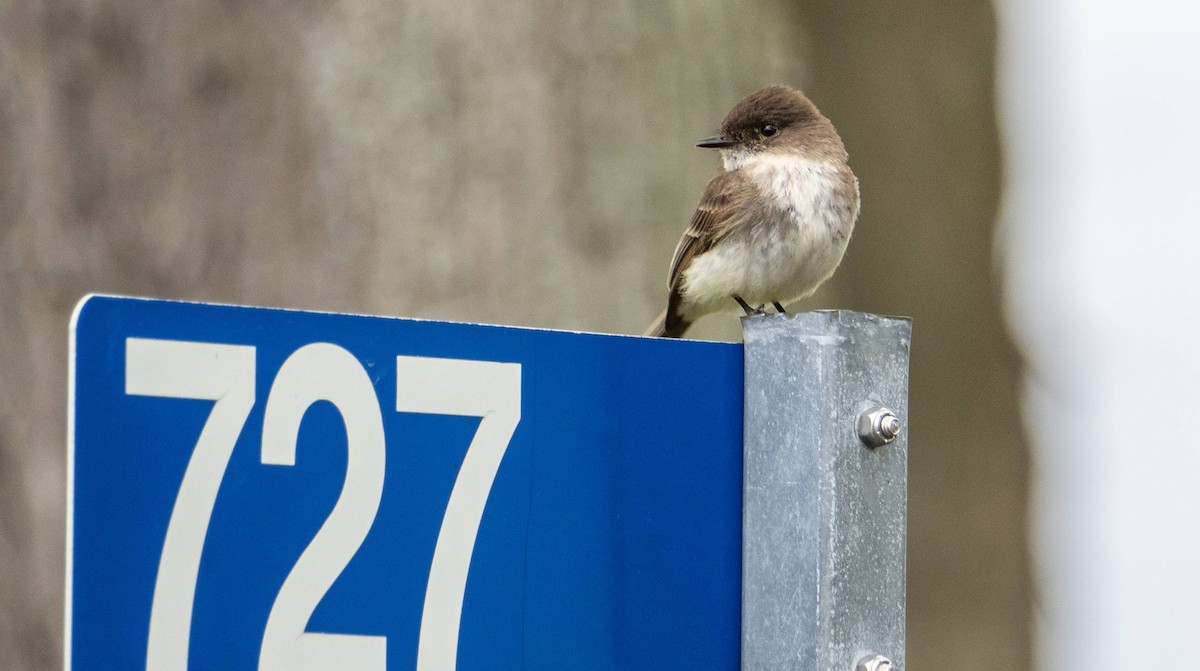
column 723, row 197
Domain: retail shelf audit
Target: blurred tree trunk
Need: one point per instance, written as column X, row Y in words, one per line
column 527, row 164
column 910, row 86
column 148, row 148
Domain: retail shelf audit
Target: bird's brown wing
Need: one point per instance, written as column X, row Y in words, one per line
column 724, row 196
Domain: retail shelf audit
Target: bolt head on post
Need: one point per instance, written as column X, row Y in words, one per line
column 875, row 663
column 878, row 426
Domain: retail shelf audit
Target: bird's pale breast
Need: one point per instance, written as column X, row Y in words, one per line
column 795, row 244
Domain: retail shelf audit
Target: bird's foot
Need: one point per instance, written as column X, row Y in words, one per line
column 779, row 308
column 750, row 312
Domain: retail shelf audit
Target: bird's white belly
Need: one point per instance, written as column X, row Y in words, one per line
column 783, row 259
column 782, row 267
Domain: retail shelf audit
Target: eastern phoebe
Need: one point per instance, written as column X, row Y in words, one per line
column 773, row 224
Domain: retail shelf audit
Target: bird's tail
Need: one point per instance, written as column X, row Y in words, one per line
column 667, row 328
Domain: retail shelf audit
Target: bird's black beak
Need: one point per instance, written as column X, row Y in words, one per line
column 716, row 142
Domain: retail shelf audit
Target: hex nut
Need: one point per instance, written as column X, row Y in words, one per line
column 878, row 426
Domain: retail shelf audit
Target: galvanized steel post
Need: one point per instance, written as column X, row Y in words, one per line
column 824, row 499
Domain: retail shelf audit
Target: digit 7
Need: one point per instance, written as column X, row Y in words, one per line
column 202, row 371
column 491, row 391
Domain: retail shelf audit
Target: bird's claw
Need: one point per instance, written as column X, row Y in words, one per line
column 750, row 312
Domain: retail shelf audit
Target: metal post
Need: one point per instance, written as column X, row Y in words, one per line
column 824, row 492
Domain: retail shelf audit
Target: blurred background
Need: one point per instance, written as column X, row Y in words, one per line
column 1029, row 197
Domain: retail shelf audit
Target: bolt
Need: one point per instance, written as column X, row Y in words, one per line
column 889, row 427
column 878, row 426
column 875, row 663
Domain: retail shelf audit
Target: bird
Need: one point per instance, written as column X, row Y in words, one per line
column 773, row 223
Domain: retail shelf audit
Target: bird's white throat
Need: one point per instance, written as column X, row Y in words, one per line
column 796, row 184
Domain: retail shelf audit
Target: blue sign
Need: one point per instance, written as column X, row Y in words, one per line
column 271, row 489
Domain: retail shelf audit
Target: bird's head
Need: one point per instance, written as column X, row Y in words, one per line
column 773, row 119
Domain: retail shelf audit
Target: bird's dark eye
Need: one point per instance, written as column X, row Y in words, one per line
column 768, row 130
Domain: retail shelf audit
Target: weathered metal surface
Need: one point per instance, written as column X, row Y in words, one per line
column 823, row 514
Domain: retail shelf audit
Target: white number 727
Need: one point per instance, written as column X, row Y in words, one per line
column 321, row 371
